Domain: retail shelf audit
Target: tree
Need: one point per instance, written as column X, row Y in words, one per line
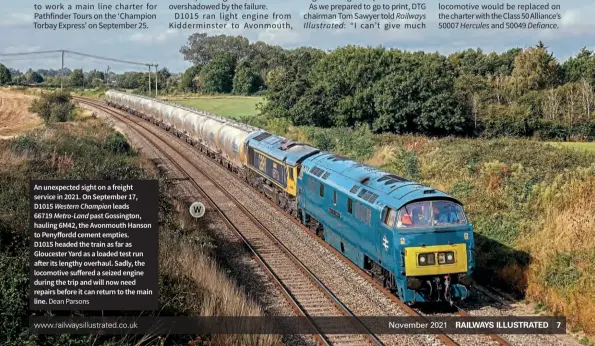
column 133, row 80
column 587, row 97
column 77, row 79
column 97, row 83
column 469, row 62
column 92, row 75
column 187, row 80
column 246, row 81
column 33, row 77
column 5, row 76
column 14, row 72
column 473, row 91
column 217, row 76
column 264, row 58
column 579, row 67
column 347, row 76
column 288, row 83
column 201, row 49
column 534, row 69
column 163, row 77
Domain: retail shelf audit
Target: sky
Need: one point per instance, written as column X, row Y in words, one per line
column 160, row 45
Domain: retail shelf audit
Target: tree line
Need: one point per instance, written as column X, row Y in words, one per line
column 78, row 78
column 520, row 92
column 49, row 77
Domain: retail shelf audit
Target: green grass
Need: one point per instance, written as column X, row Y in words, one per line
column 230, row 107
column 589, row 146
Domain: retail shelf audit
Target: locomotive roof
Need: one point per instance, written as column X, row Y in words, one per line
column 371, row 184
column 280, row 148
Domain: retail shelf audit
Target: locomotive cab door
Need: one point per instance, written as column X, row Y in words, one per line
column 385, row 234
column 291, row 180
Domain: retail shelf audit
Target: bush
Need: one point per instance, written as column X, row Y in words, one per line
column 117, row 144
column 561, row 272
column 323, row 141
column 61, row 112
column 24, row 144
column 55, row 106
column 406, row 163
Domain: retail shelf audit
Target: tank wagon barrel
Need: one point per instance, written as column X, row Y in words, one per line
column 415, row 240
column 221, row 138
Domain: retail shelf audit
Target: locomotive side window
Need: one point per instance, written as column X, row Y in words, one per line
column 335, row 197
column 349, row 205
column 390, row 216
column 321, row 190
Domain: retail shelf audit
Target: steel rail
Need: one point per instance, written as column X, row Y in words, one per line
column 323, row 339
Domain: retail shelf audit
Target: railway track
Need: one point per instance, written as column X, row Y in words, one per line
column 308, row 295
column 291, row 262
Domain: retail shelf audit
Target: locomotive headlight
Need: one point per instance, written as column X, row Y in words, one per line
column 426, row 259
column 446, row 257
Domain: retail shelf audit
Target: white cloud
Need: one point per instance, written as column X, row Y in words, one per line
column 164, row 36
column 21, row 49
column 14, row 19
column 149, row 38
column 281, row 36
column 570, row 18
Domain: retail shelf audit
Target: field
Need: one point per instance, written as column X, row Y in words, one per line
column 14, row 116
column 234, row 107
column 589, row 146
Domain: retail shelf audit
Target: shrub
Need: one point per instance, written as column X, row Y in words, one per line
column 117, row 144
column 323, row 141
column 561, row 272
column 25, row 143
column 54, row 106
column 406, row 163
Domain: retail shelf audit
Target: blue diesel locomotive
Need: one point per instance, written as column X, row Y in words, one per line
column 413, row 239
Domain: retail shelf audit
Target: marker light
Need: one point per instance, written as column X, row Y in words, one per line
column 426, row 259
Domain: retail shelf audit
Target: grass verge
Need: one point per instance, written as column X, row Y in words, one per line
column 191, row 283
column 532, row 205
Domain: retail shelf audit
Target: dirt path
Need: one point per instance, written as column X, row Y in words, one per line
column 14, row 116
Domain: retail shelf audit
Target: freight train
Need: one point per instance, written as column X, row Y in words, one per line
column 413, row 239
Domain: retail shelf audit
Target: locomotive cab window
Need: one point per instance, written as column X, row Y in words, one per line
column 431, row 214
column 390, row 215
column 349, row 205
column 290, row 173
column 321, row 190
